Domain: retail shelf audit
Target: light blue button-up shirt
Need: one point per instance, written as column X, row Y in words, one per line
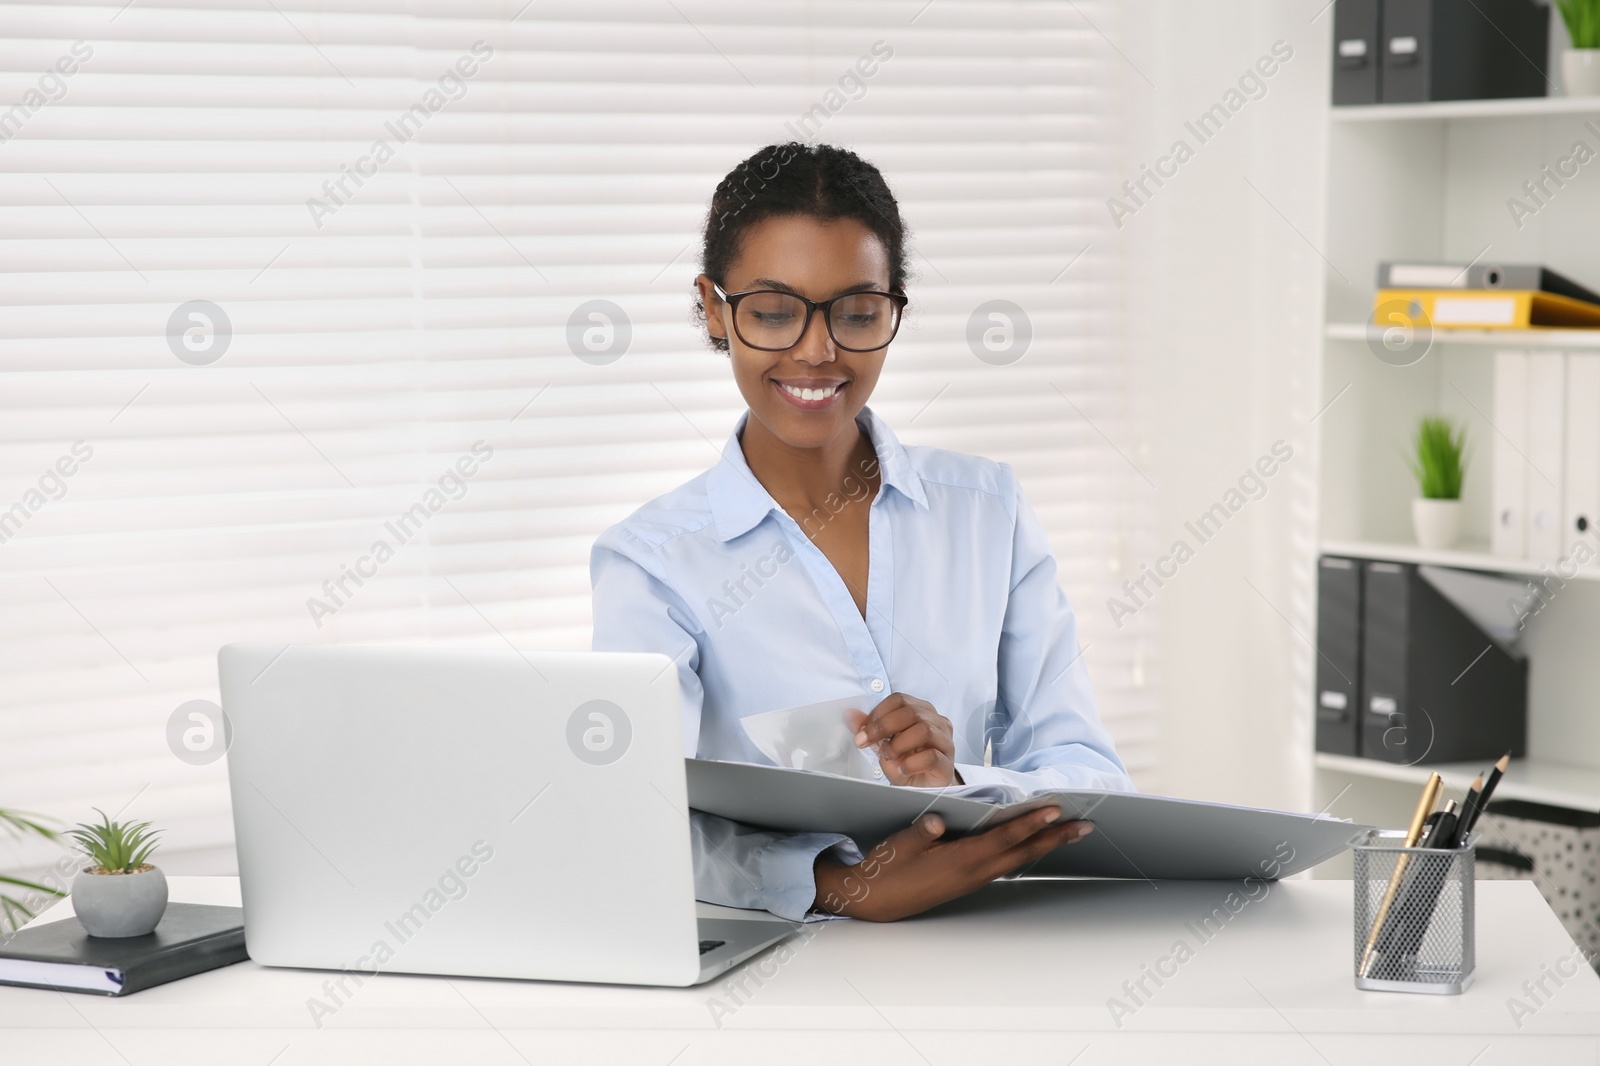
column 963, row 611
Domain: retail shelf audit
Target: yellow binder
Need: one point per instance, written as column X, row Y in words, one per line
column 1489, row 308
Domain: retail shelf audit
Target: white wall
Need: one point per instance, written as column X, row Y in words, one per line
column 1225, row 284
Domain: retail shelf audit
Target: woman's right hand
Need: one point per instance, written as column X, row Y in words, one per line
column 916, row 869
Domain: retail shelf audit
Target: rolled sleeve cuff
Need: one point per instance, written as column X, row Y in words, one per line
column 787, row 868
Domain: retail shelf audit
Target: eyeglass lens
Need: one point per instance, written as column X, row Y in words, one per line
column 859, row 322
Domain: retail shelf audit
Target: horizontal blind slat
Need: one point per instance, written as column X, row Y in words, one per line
column 431, row 310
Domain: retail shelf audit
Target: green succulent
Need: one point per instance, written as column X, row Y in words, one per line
column 1583, row 21
column 1438, row 458
column 115, row 847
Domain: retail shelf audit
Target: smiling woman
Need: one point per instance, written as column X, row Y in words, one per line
column 825, row 224
column 926, row 588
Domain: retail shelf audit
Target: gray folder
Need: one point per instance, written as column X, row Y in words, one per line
column 1137, row 836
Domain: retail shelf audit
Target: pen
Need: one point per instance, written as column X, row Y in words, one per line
column 1443, row 832
column 1430, row 795
column 1431, row 826
column 1468, row 821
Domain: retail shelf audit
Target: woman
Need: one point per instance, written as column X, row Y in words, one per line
column 821, row 559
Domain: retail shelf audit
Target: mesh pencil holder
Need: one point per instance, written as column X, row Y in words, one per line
column 1413, row 916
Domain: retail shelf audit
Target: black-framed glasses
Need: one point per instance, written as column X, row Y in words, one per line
column 772, row 321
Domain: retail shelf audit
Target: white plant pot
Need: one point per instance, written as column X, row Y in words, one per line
column 119, row 905
column 1580, row 71
column 1437, row 523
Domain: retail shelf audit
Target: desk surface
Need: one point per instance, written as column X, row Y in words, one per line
column 1019, row 969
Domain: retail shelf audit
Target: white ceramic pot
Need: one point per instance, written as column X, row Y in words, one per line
column 1580, row 71
column 1437, row 523
column 119, row 905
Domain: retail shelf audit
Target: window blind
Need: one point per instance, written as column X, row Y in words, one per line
column 288, row 282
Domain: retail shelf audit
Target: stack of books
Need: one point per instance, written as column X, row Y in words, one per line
column 1487, row 296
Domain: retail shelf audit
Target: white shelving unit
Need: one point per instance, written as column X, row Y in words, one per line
column 1431, row 182
column 1574, row 787
column 1526, row 107
column 1471, row 555
column 1495, row 338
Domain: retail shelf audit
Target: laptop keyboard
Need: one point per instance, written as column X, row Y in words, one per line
column 710, row 945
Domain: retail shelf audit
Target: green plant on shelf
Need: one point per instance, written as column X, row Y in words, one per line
column 1438, row 459
column 1583, row 21
column 14, row 911
column 115, row 847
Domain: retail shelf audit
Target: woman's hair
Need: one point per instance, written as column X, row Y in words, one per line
column 818, row 180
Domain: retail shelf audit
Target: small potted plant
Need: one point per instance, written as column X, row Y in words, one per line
column 1580, row 64
column 119, row 893
column 1439, row 463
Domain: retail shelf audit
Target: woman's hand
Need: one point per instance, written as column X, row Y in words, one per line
column 914, row 869
column 914, row 742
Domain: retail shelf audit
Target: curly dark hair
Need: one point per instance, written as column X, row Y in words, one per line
column 823, row 181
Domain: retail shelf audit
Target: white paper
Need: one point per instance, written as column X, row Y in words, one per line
column 816, row 736
column 998, row 794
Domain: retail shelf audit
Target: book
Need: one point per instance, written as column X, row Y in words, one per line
column 1524, row 276
column 1136, row 835
column 191, row 938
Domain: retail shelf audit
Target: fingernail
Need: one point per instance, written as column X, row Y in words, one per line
column 861, row 739
column 1085, row 831
column 1052, row 815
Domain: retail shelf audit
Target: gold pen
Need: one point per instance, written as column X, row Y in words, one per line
column 1430, row 796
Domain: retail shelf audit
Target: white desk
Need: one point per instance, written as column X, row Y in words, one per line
column 1020, row 971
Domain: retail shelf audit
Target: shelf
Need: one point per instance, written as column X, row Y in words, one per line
column 1498, row 338
column 1519, row 107
column 1472, row 556
column 1574, row 788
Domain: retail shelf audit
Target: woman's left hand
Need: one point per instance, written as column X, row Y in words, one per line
column 914, row 742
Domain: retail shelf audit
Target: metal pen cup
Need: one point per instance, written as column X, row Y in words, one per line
column 1414, row 912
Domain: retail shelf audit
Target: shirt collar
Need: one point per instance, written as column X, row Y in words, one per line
column 739, row 502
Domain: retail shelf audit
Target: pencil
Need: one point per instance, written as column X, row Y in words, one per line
column 1466, row 827
column 1468, row 805
column 1430, row 796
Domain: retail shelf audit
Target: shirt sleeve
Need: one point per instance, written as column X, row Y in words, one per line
column 737, row 866
column 636, row 610
column 1047, row 731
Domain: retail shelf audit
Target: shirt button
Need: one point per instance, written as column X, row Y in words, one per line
column 877, row 684
column 877, row 771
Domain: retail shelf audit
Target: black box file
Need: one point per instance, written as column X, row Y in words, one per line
column 1338, row 656
column 1434, row 686
column 1355, row 52
column 1462, row 50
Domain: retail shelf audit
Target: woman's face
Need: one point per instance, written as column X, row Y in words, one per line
column 818, row 260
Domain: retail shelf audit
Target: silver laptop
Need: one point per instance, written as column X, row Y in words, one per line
column 474, row 813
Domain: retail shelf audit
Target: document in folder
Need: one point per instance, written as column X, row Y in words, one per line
column 1136, row 836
